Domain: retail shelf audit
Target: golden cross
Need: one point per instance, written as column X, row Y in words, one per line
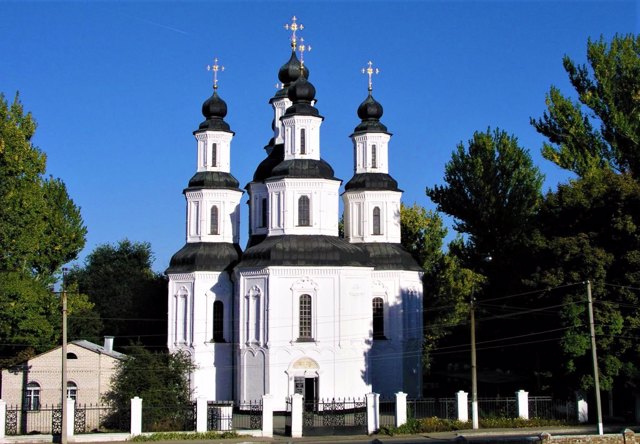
column 301, row 49
column 215, row 68
column 294, row 26
column 370, row 71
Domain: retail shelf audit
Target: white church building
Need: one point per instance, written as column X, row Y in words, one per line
column 300, row 309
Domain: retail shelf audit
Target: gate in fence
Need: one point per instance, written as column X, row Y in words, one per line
column 220, row 416
column 335, row 416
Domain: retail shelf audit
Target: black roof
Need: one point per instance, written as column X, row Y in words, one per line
column 213, row 179
column 388, row 256
column 267, row 165
column 303, row 168
column 372, row 181
column 304, row 250
column 205, row 256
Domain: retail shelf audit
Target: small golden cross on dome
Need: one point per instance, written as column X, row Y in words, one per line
column 215, row 68
column 301, row 49
column 370, row 71
column 294, row 26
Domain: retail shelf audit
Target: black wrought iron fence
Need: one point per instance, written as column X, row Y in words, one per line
column 91, row 418
column 247, row 415
column 387, row 408
column 220, row 415
column 448, row 408
column 331, row 416
column 45, row 420
column 420, row 408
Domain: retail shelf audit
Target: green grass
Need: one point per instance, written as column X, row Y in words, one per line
column 430, row 425
column 178, row 436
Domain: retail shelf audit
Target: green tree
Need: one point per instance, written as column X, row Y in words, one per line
column 492, row 190
column 130, row 298
column 601, row 129
column 447, row 284
column 589, row 230
column 40, row 230
column 161, row 379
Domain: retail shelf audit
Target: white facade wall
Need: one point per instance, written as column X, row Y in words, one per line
column 284, row 195
column 364, row 159
column 358, row 216
column 271, row 355
column 199, row 223
column 208, row 141
column 192, row 296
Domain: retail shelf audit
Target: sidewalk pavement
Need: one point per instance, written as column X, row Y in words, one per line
column 458, row 435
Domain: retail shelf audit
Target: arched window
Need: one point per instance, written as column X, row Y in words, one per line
column 214, row 154
column 32, row 396
column 305, row 333
column 303, row 211
column 303, row 141
column 376, row 220
column 214, row 220
column 71, row 355
column 218, row 321
column 72, row 390
column 378, row 318
column 374, row 157
column 263, row 214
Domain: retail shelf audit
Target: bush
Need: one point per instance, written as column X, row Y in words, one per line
column 434, row 424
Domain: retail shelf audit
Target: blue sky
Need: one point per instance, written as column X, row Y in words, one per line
column 117, row 88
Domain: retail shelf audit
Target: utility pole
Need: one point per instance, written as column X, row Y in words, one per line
column 474, row 377
column 63, row 437
column 596, row 378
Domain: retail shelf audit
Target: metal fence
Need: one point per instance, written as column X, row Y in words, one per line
column 497, row 407
column 387, row 407
column 169, row 418
column 548, row 408
column 247, row 415
column 45, row 420
column 331, row 416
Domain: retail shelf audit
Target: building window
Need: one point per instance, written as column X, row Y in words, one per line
column 305, row 318
column 218, row 321
column 376, row 220
column 374, row 157
column 72, row 390
column 214, row 220
column 263, row 213
column 214, row 154
column 32, row 396
column 303, row 211
column 72, row 356
column 303, row 141
column 378, row 318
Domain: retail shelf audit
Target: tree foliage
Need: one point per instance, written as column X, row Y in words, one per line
column 40, row 230
column 589, row 230
column 161, row 379
column 492, row 189
column 130, row 298
column 601, row 130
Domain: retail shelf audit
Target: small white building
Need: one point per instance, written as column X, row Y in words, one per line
column 301, row 309
column 38, row 381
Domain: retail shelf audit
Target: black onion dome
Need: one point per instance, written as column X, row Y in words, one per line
column 205, row 256
column 388, row 256
column 290, row 71
column 213, row 179
column 370, row 112
column 303, row 168
column 214, row 110
column 302, row 93
column 265, row 168
column 371, row 182
column 304, row 250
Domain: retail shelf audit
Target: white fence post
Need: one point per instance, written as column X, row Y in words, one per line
column 373, row 412
column 71, row 414
column 201, row 415
column 401, row 409
column 462, row 399
column 3, row 418
column 296, row 415
column 267, row 416
column 136, row 416
column 523, row 404
column 582, row 408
